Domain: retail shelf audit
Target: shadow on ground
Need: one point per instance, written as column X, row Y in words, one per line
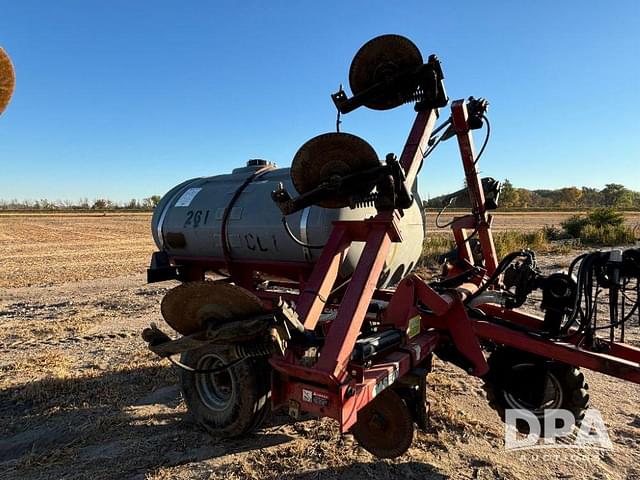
column 379, row 470
column 118, row 424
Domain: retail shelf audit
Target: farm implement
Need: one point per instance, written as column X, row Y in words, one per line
column 298, row 289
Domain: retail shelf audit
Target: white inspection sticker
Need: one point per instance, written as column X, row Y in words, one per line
column 187, row 197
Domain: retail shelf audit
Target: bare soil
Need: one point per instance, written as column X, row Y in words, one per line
column 81, row 397
column 42, row 250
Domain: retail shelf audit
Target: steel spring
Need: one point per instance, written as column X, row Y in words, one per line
column 243, row 350
column 414, row 97
column 366, row 201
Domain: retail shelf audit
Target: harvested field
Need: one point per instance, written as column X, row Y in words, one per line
column 49, row 249
column 41, row 249
column 102, row 407
column 523, row 221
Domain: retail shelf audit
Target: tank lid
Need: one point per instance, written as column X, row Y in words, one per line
column 257, row 162
column 253, row 165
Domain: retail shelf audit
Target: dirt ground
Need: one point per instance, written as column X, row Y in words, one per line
column 41, row 250
column 81, row 397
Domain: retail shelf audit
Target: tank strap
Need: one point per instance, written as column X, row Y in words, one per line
column 226, row 249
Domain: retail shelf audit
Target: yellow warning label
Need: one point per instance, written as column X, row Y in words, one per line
column 414, row 326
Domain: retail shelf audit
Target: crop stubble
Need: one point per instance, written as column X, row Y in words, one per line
column 37, row 250
column 110, row 409
column 50, row 249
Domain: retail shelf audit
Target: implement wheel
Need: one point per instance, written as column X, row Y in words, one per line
column 229, row 403
column 520, row 380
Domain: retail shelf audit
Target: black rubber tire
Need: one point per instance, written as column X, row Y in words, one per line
column 570, row 387
column 239, row 399
column 263, row 371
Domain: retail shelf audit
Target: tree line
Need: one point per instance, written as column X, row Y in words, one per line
column 147, row 203
column 612, row 195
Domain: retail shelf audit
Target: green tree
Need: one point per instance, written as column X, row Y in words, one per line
column 101, row 204
column 570, row 196
column 591, row 197
column 615, row 195
column 523, row 198
column 151, row 202
column 508, row 194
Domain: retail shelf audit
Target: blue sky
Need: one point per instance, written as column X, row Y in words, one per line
column 127, row 98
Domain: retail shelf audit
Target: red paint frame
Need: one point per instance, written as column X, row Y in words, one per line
column 341, row 389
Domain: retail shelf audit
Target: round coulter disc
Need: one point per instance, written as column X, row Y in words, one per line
column 385, row 426
column 331, row 154
column 381, row 58
column 7, row 79
column 188, row 307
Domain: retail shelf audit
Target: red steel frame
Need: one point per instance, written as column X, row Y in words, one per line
column 342, row 389
column 331, row 387
column 336, row 388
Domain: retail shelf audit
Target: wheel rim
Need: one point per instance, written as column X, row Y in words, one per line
column 214, row 389
column 552, row 398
